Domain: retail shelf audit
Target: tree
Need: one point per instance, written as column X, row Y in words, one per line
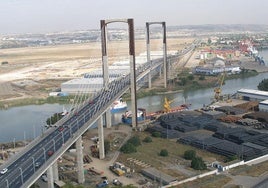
column 202, row 77
column 183, row 81
column 190, row 77
column 156, row 134
column 198, row 164
column 189, row 154
column 53, row 119
column 263, row 85
column 164, row 153
column 147, row 139
column 128, row 148
column 135, row 140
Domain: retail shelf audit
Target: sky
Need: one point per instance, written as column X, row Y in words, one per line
column 41, row 16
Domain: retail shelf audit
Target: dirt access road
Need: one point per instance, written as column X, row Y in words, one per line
column 103, row 165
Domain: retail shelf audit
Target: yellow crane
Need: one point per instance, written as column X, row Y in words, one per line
column 166, row 105
column 217, row 90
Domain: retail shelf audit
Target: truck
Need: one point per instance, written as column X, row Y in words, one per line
column 103, row 184
column 117, row 170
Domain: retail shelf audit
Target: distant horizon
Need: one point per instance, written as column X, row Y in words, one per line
column 136, row 27
column 36, row 16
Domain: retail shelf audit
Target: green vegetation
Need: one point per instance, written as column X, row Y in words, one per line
column 207, row 182
column 36, row 101
column 263, row 85
column 198, row 163
column 255, row 170
column 185, row 80
column 149, row 153
column 163, row 153
column 128, row 148
column 54, row 118
column 232, row 158
column 156, row 134
column 135, row 141
column 189, row 154
column 147, row 139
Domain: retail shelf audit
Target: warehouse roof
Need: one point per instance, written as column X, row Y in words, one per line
column 253, row 92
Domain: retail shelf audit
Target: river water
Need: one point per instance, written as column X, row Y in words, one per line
column 27, row 122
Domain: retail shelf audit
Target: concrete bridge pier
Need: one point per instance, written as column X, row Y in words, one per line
column 148, row 53
column 108, row 118
column 50, row 179
column 101, row 138
column 79, row 157
column 55, row 171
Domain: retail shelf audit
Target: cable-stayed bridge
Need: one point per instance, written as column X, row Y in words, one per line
column 42, row 153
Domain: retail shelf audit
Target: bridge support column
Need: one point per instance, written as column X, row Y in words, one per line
column 164, row 50
column 55, row 171
column 148, row 54
column 130, row 23
column 101, row 138
column 105, row 68
column 79, row 156
column 50, row 181
column 108, row 118
column 165, row 54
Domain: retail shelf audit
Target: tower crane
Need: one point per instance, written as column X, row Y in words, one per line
column 166, row 105
column 217, row 90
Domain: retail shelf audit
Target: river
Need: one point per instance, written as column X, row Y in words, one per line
column 27, row 122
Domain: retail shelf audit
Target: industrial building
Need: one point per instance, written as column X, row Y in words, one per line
column 263, row 106
column 88, row 85
column 252, row 95
column 93, row 81
column 216, row 70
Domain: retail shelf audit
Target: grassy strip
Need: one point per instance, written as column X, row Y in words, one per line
column 254, row 170
column 35, row 101
column 149, row 153
column 212, row 181
column 187, row 81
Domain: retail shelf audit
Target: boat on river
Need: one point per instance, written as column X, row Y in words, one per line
column 142, row 115
column 118, row 105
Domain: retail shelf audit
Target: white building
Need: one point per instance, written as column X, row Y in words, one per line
column 263, row 106
column 252, row 94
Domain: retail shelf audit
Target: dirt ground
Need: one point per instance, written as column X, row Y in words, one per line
column 34, row 72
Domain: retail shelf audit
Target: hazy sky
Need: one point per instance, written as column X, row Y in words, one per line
column 35, row 16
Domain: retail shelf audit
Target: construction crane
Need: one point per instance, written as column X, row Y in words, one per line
column 166, row 105
column 217, row 90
